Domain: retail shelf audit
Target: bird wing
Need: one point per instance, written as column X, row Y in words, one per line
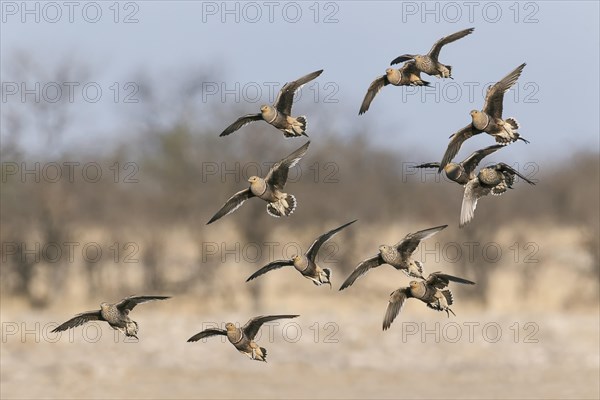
column 206, row 333
column 232, row 204
column 252, row 327
column 269, row 267
column 504, row 168
column 397, row 299
column 285, row 98
column 314, row 248
column 435, row 50
column 241, row 121
column 471, row 162
column 495, row 93
column 130, row 302
column 362, row 269
column 278, row 173
column 79, row 319
column 402, row 58
column 410, row 242
column 473, row 192
column 429, row 165
column 410, row 68
column 372, row 91
column 456, row 140
column 440, row 280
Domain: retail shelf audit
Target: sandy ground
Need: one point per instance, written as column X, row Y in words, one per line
column 473, row 355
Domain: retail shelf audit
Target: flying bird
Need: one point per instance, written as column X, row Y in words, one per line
column 306, row 264
column 430, row 291
column 496, row 180
column 279, row 114
column 464, row 171
column 398, row 256
column 489, row 120
column 243, row 338
column 117, row 315
column 269, row 189
column 429, row 63
column 408, row 75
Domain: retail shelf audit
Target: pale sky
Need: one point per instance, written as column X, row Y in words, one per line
column 255, row 44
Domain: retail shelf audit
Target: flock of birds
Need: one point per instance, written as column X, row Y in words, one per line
column 431, row 290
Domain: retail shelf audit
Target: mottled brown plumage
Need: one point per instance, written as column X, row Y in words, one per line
column 117, row 315
column 398, row 256
column 429, row 63
column 489, row 120
column 269, row 189
column 279, row 114
column 430, row 291
column 496, row 180
column 464, row 171
column 408, row 75
column 243, row 338
column 306, row 264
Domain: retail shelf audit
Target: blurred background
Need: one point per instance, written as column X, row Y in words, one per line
column 112, row 165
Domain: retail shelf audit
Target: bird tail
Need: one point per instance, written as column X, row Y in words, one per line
column 419, row 265
column 448, row 295
column 449, row 70
column 298, row 127
column 327, row 278
column 263, row 355
column 502, row 187
column 439, row 304
column 513, row 123
column 131, row 329
column 282, row 207
column 510, row 126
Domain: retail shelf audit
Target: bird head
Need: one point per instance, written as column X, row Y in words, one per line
column 264, row 108
column 104, row 305
column 452, row 170
column 413, row 284
column 394, row 76
column 253, row 179
column 383, row 248
column 230, row 327
column 480, row 119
